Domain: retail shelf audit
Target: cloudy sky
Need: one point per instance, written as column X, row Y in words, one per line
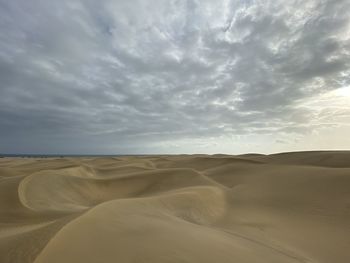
column 177, row 76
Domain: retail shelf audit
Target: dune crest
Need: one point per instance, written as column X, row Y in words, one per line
column 290, row 207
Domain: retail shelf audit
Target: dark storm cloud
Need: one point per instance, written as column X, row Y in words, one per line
column 122, row 76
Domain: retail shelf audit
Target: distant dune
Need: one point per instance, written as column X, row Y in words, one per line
column 281, row 208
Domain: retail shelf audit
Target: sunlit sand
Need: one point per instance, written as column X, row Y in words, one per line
column 292, row 207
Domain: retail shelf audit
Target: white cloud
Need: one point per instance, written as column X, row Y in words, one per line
column 133, row 76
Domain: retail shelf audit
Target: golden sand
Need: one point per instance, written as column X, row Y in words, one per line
column 291, row 207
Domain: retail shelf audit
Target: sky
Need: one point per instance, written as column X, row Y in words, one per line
column 176, row 76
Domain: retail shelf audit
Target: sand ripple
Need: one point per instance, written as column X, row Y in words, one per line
column 292, row 207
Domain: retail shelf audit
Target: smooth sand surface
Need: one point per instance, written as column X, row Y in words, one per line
column 290, row 207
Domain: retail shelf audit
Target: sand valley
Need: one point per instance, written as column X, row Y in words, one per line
column 282, row 208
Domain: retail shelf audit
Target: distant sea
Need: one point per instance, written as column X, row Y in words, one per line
column 2, row 155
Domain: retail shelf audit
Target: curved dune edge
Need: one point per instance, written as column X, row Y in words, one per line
column 292, row 207
column 174, row 224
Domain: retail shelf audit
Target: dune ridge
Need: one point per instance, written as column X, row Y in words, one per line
column 289, row 207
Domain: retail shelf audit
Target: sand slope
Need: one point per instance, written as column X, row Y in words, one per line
column 290, row 207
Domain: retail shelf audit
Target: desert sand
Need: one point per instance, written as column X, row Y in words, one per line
column 281, row 208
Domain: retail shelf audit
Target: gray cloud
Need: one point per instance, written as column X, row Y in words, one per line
column 136, row 76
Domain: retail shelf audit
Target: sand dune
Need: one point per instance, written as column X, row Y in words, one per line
column 290, row 207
